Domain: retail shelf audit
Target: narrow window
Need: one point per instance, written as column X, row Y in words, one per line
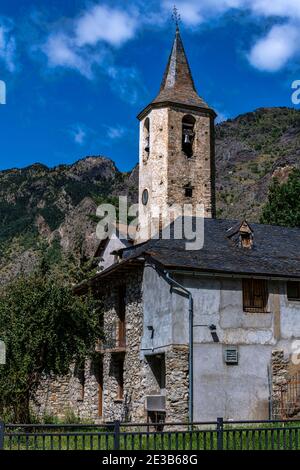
column 146, row 139
column 120, row 378
column 188, row 124
column 100, row 388
column 158, row 369
column 255, row 295
column 188, row 191
column 121, row 338
column 80, row 374
column 293, row 290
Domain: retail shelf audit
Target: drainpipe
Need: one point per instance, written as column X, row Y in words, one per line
column 191, row 339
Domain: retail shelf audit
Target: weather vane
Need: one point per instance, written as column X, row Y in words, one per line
column 176, row 16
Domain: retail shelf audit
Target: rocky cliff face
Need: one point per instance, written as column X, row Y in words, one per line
column 250, row 151
column 52, row 209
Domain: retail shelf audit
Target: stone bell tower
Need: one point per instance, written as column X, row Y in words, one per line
column 176, row 159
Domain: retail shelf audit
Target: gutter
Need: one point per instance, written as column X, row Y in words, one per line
column 237, row 275
column 185, row 292
column 188, row 294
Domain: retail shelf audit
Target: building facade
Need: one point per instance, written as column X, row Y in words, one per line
column 188, row 334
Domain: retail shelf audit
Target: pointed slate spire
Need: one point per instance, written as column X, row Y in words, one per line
column 178, row 85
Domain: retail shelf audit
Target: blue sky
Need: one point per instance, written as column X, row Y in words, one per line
column 78, row 72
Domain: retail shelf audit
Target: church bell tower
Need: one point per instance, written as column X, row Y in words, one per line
column 176, row 156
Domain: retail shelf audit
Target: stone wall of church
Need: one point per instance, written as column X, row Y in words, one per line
column 153, row 171
column 196, row 171
column 165, row 170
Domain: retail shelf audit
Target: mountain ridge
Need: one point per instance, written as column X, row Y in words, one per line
column 52, row 209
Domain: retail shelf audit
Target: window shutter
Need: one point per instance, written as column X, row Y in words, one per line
column 246, row 293
column 255, row 295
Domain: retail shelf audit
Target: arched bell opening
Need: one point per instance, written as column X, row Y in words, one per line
column 188, row 135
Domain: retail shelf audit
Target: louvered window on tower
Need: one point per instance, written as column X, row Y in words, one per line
column 188, row 123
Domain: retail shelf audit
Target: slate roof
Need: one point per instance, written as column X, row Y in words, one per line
column 276, row 251
column 178, row 85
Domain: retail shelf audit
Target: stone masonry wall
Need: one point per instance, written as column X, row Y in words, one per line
column 165, row 170
column 195, row 170
column 177, row 384
column 63, row 396
column 132, row 406
column 60, row 396
column 280, row 368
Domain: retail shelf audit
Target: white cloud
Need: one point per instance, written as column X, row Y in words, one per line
column 82, row 43
column 89, row 40
column 116, row 132
column 272, row 52
column 194, row 12
column 102, row 23
column 78, row 133
column 282, row 8
column 61, row 53
column 7, row 46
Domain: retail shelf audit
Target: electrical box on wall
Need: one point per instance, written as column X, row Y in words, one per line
column 231, row 355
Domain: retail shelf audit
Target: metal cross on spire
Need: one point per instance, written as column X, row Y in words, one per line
column 176, row 17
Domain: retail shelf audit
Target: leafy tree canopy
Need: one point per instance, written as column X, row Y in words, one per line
column 46, row 328
column 283, row 205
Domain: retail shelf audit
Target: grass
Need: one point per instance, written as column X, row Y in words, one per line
column 263, row 437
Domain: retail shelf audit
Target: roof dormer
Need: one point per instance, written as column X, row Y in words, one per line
column 242, row 235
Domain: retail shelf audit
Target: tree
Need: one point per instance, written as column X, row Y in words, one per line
column 46, row 328
column 283, row 205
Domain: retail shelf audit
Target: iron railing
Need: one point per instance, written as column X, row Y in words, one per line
column 220, row 435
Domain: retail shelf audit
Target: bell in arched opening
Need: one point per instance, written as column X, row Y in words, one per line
column 188, row 134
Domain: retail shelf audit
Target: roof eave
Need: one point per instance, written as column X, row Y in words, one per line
column 165, row 104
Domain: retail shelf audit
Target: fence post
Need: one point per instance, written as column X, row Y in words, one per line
column 2, row 429
column 220, row 430
column 117, row 435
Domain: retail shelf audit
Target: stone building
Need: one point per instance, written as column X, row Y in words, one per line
column 189, row 334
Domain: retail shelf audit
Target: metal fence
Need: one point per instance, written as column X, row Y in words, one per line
column 219, row 435
column 290, row 397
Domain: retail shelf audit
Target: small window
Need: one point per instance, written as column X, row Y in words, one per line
column 146, row 139
column 293, row 290
column 80, row 374
column 145, row 197
column 120, row 379
column 188, row 191
column 121, row 310
column 255, row 295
